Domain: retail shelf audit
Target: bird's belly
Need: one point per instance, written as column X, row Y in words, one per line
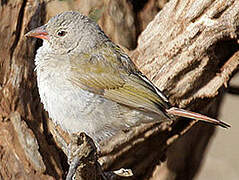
column 77, row 110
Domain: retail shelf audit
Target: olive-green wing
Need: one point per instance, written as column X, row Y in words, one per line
column 110, row 73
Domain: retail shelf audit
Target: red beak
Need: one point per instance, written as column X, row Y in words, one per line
column 39, row 32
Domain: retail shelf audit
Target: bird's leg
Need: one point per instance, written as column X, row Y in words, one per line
column 82, row 158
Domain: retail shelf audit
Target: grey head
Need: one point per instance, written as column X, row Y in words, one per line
column 70, row 32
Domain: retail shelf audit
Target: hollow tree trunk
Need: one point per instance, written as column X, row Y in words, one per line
column 189, row 50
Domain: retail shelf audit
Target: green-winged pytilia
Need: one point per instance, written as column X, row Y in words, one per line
column 88, row 84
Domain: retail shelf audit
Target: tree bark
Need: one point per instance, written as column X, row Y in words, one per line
column 25, row 151
column 189, row 50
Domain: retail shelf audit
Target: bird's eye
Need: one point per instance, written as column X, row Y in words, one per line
column 61, row 33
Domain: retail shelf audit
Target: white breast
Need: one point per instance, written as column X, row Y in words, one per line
column 77, row 110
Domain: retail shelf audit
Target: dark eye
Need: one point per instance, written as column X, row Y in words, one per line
column 61, row 33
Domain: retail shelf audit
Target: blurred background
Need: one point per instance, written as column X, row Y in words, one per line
column 221, row 160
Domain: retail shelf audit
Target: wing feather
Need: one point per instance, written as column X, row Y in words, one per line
column 110, row 73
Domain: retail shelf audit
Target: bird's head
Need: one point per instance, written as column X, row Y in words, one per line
column 69, row 32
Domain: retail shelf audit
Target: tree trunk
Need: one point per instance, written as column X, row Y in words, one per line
column 189, row 50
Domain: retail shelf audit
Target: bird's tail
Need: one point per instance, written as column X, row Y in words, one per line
column 192, row 115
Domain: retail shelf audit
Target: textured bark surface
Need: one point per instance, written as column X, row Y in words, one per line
column 189, row 50
column 25, row 150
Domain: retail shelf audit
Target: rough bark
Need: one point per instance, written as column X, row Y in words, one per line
column 189, row 50
column 25, row 150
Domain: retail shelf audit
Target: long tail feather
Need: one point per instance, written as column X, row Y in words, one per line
column 192, row 115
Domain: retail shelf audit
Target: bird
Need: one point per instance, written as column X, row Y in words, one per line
column 89, row 84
